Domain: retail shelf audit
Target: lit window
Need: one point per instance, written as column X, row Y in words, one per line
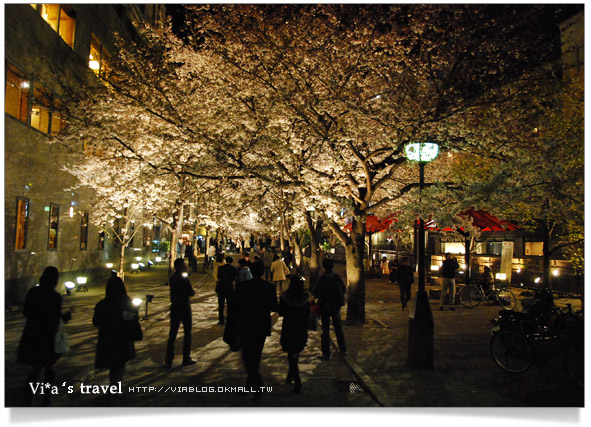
column 54, row 214
column 61, row 18
column 22, row 222
column 101, row 241
column 98, row 58
column 17, row 94
column 84, row 231
column 40, row 109
column 58, row 122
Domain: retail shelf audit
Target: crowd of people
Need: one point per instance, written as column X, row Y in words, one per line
column 246, row 302
column 248, row 291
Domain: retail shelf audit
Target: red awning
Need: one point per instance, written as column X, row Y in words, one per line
column 480, row 219
column 373, row 224
column 487, row 222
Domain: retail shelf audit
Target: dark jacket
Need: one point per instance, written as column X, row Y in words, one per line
column 330, row 291
column 405, row 275
column 255, row 300
column 181, row 291
column 115, row 344
column 295, row 310
column 449, row 267
column 42, row 309
column 226, row 276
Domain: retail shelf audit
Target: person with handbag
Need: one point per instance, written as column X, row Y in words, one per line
column 37, row 347
column 294, row 306
column 279, row 273
column 118, row 326
column 330, row 292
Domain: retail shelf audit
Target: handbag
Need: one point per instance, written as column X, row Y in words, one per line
column 61, row 339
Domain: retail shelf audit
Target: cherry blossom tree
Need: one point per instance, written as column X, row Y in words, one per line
column 351, row 85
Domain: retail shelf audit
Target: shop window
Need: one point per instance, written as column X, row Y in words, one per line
column 61, row 18
column 489, row 248
column 98, row 58
column 453, row 248
column 84, row 231
column 40, row 109
column 22, row 222
column 17, row 94
column 534, row 248
column 54, row 214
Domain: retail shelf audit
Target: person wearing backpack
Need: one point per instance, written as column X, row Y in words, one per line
column 330, row 292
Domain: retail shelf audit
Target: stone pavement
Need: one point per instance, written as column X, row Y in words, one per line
column 374, row 373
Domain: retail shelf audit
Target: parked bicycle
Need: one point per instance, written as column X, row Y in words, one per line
column 473, row 295
column 520, row 340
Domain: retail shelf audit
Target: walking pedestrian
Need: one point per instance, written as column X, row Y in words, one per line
column 268, row 261
column 385, row 266
column 405, row 278
column 117, row 321
column 279, row 272
column 190, row 254
column 43, row 310
column 294, row 306
column 330, row 292
column 448, row 274
column 255, row 300
column 181, row 292
column 225, row 276
column 307, row 256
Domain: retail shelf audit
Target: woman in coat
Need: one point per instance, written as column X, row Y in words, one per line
column 115, row 316
column 278, row 272
column 43, row 307
column 294, row 306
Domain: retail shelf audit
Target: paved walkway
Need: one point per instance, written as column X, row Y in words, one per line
column 374, row 373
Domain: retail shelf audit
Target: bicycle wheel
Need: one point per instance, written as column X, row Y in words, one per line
column 574, row 361
column 511, row 351
column 506, row 299
column 470, row 296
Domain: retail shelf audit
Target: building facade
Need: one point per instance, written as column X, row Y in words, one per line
column 46, row 222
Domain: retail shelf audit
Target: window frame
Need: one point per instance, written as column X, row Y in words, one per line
column 84, row 225
column 27, row 201
column 38, row 7
column 53, row 206
column 27, row 93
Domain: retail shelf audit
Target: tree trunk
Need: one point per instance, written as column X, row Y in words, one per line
column 354, row 250
column 122, row 260
column 297, row 253
column 315, row 252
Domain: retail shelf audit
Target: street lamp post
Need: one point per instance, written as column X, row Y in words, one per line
column 420, row 327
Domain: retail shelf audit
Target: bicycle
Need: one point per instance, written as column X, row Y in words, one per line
column 528, row 342
column 473, row 295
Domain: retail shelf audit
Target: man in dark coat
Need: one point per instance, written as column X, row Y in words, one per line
column 405, row 277
column 330, row 292
column 255, row 300
column 225, row 286
column 181, row 292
